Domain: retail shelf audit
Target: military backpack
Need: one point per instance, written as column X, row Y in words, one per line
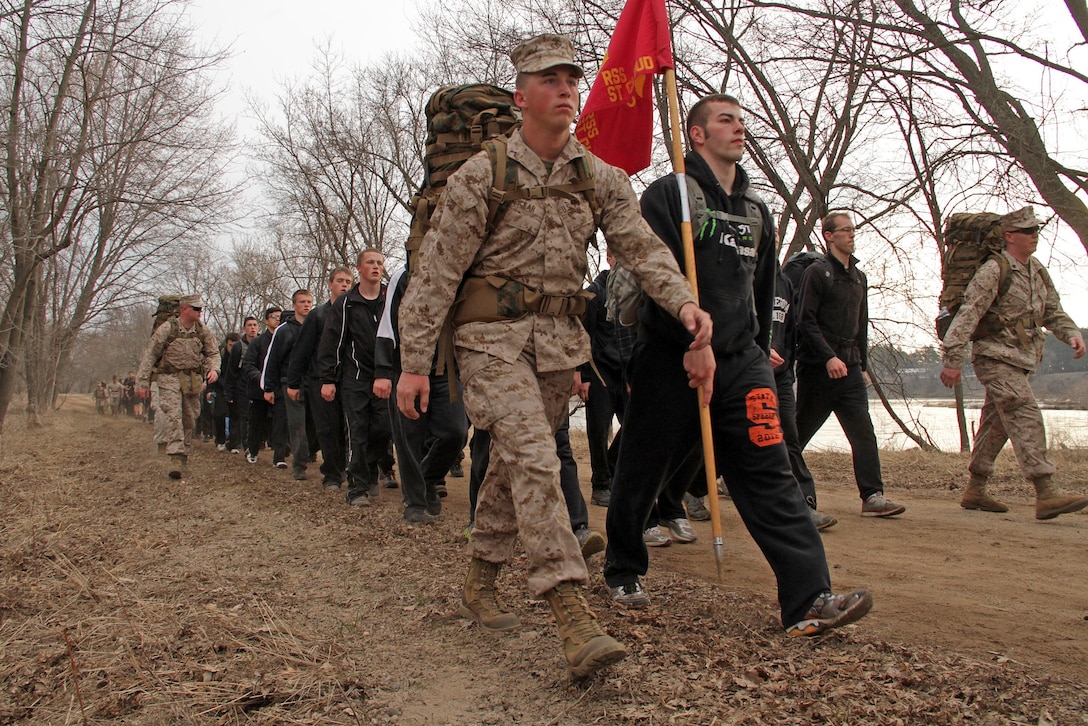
column 971, row 240
column 461, row 121
column 167, row 312
column 168, row 307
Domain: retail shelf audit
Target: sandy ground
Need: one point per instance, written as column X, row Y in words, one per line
column 241, row 596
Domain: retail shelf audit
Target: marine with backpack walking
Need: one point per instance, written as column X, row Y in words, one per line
column 518, row 338
column 181, row 355
column 1006, row 307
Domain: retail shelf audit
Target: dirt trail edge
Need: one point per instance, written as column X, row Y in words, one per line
column 241, row 596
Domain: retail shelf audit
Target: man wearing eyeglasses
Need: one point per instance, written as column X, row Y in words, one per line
column 832, row 360
column 1005, row 324
column 182, row 354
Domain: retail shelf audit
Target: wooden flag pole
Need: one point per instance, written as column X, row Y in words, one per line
column 688, row 241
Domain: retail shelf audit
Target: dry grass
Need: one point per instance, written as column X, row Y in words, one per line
column 238, row 597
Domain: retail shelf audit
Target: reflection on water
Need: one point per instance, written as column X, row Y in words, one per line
column 938, row 419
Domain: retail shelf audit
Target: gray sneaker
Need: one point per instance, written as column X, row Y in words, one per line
column 832, row 611
column 697, row 511
column 877, row 506
column 416, row 515
column 681, row 530
column 359, row 500
column 631, row 595
column 821, row 520
column 723, row 490
column 590, row 540
column 656, row 537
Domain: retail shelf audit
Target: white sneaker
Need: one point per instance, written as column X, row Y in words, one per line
column 681, row 530
column 656, row 537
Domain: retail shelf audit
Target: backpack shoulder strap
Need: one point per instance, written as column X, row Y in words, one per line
column 754, row 206
column 503, row 178
column 700, row 215
column 1004, row 279
column 505, row 189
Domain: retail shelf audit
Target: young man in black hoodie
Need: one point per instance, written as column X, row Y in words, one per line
column 345, row 366
column 234, row 385
column 274, row 381
column 303, row 384
column 260, row 411
column 736, row 277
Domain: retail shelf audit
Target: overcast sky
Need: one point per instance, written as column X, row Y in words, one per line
column 273, row 40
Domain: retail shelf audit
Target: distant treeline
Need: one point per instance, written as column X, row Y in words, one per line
column 1060, row 380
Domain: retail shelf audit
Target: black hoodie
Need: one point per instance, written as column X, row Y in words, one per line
column 736, row 273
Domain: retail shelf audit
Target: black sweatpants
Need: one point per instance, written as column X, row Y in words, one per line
column 787, row 415
column 369, row 435
column 328, row 417
column 660, row 431
column 428, row 446
column 818, row 396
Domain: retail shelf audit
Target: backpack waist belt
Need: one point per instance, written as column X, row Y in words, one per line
column 991, row 324
column 493, row 298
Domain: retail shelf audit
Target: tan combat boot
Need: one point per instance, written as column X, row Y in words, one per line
column 976, row 497
column 177, row 466
column 587, row 647
column 479, row 601
column 1051, row 501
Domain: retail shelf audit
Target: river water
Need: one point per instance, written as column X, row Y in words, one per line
column 938, row 417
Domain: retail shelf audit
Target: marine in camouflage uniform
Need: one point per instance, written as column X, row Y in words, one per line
column 181, row 355
column 517, row 372
column 1005, row 351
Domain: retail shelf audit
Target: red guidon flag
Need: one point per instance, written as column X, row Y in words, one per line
column 617, row 121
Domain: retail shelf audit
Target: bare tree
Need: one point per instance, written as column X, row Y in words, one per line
column 336, row 166
column 109, row 158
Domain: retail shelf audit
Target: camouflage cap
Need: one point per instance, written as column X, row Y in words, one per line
column 193, row 301
column 544, row 52
column 1021, row 219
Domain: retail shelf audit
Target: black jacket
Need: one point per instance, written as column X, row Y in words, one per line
column 279, row 352
column 347, row 343
column 253, row 364
column 610, row 342
column 736, row 274
column 833, row 320
column 303, row 363
column 234, row 383
column 784, row 326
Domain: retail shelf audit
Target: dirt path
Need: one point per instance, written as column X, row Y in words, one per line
column 994, row 586
column 240, row 596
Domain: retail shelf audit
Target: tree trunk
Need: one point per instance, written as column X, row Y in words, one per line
column 914, row 436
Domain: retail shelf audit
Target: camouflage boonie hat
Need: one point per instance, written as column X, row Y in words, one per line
column 544, row 52
column 1021, row 219
column 193, row 301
